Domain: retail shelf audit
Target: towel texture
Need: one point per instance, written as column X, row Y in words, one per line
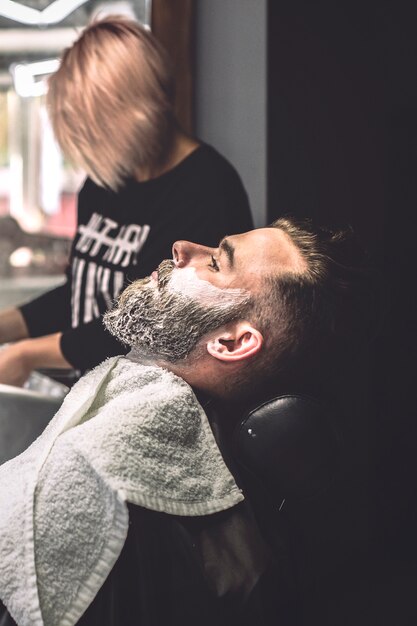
column 125, row 432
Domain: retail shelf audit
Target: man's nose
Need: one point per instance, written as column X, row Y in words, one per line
column 185, row 252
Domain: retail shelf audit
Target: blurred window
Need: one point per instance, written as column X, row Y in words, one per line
column 38, row 188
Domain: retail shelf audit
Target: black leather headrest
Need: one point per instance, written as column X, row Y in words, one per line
column 288, row 445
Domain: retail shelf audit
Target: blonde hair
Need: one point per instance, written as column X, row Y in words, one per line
column 111, row 101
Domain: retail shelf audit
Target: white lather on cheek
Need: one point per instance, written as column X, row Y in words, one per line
column 186, row 282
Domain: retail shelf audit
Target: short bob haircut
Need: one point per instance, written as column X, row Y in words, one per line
column 111, row 101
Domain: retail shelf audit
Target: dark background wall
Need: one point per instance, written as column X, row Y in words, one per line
column 342, row 111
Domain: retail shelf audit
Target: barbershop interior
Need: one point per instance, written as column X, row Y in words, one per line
column 207, row 413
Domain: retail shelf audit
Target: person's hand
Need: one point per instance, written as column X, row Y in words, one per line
column 18, row 360
column 14, row 369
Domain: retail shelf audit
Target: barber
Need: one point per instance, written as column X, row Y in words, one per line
column 149, row 183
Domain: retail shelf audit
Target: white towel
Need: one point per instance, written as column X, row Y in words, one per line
column 125, row 432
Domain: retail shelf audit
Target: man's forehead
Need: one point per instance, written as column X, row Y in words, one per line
column 265, row 249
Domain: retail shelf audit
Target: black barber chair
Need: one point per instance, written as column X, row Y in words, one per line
column 291, row 463
column 311, row 505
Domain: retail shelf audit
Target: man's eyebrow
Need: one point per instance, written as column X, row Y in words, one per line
column 226, row 247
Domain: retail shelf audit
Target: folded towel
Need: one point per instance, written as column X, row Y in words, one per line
column 125, row 432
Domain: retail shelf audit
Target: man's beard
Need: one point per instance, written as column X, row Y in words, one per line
column 167, row 325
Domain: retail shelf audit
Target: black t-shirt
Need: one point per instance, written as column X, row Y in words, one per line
column 124, row 235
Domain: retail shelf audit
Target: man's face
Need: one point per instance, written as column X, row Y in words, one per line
column 201, row 290
column 241, row 261
column 165, row 315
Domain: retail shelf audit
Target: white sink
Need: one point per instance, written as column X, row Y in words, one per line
column 15, row 291
column 23, row 416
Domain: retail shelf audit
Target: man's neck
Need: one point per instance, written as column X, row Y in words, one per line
column 203, row 374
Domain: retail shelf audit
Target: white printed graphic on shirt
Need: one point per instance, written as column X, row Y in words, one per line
column 90, row 280
column 121, row 247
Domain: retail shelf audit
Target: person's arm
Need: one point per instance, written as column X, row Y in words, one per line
column 18, row 360
column 48, row 313
column 12, row 326
column 33, row 326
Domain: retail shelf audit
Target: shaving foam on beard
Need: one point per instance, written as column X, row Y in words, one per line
column 185, row 282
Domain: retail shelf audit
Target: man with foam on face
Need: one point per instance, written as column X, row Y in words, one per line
column 132, row 440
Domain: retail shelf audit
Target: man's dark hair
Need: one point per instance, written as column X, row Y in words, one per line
column 316, row 320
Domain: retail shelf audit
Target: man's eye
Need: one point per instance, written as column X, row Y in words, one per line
column 214, row 264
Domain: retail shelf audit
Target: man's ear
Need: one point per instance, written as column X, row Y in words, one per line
column 238, row 342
